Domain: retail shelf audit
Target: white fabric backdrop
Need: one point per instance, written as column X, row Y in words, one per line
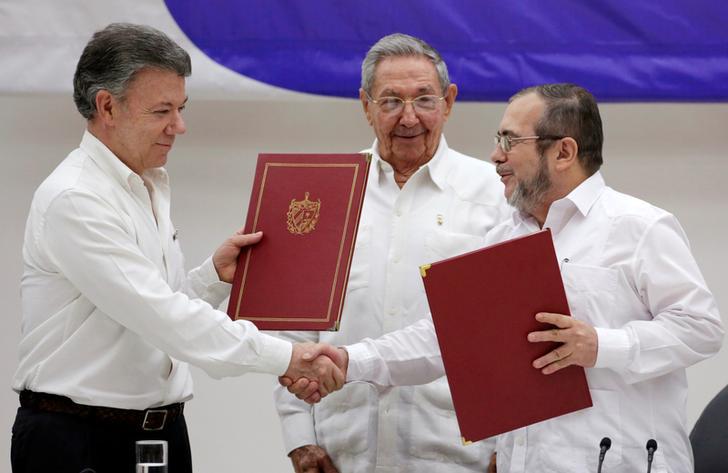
column 41, row 41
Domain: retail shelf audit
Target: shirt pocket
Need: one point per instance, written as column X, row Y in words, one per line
column 346, row 421
column 360, row 270
column 434, row 430
column 591, row 293
column 571, row 442
column 440, row 244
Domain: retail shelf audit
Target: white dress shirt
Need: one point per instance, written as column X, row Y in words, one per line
column 627, row 270
column 109, row 316
column 442, row 210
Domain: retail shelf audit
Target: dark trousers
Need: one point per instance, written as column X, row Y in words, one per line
column 63, row 443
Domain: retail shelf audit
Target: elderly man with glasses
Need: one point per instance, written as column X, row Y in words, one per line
column 424, row 202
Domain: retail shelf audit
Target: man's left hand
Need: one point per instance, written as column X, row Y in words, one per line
column 578, row 339
column 225, row 258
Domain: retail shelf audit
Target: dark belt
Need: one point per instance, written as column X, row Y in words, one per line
column 155, row 418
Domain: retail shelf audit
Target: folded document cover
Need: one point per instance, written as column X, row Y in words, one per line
column 483, row 305
column 308, row 208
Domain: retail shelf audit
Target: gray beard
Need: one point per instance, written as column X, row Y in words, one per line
column 529, row 194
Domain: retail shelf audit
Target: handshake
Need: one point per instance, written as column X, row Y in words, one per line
column 315, row 370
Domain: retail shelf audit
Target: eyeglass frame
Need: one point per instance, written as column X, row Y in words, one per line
column 506, row 141
column 404, row 102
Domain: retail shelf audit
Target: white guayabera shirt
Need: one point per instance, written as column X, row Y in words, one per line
column 628, row 271
column 109, row 316
column 444, row 209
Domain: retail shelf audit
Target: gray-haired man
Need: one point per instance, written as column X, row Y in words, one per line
column 110, row 319
column 424, row 202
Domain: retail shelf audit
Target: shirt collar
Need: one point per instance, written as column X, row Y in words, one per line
column 113, row 166
column 582, row 197
column 586, row 194
column 434, row 167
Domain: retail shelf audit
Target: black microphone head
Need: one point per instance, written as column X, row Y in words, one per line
column 652, row 444
column 605, row 443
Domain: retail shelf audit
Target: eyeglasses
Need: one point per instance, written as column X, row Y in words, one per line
column 506, row 142
column 395, row 105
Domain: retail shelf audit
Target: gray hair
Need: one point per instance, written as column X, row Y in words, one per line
column 398, row 45
column 570, row 111
column 115, row 54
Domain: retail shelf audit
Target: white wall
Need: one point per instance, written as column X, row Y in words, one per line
column 670, row 154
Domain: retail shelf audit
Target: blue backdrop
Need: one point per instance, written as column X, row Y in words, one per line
column 621, row 50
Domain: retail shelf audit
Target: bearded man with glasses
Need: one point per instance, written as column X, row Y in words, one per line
column 424, row 202
column 641, row 310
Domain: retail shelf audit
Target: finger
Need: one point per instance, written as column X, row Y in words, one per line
column 285, row 381
column 327, row 383
column 560, row 320
column 298, row 386
column 550, row 335
column 246, row 239
column 339, row 379
column 313, row 398
column 558, row 365
column 551, row 357
column 334, row 378
column 312, row 387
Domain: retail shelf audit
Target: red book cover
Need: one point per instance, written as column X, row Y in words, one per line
column 308, row 208
column 483, row 305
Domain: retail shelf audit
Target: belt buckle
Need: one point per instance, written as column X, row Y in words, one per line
column 154, row 419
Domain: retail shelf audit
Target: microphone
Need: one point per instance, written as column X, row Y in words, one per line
column 651, row 447
column 603, row 447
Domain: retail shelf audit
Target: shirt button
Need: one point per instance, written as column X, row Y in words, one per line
column 398, row 213
column 392, row 311
column 519, row 441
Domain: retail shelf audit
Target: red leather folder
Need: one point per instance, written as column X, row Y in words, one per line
column 483, row 305
column 308, row 207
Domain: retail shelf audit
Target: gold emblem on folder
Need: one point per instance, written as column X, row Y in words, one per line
column 303, row 215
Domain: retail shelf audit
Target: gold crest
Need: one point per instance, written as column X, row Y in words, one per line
column 303, row 215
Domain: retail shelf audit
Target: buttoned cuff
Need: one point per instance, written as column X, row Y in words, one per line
column 361, row 362
column 298, row 431
column 275, row 355
column 207, row 285
column 613, row 348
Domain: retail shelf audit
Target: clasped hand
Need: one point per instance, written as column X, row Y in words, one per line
column 316, row 370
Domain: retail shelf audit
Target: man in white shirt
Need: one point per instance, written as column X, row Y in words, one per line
column 641, row 310
column 110, row 320
column 424, row 202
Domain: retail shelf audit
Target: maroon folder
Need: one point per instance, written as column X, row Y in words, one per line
column 308, row 207
column 483, row 305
